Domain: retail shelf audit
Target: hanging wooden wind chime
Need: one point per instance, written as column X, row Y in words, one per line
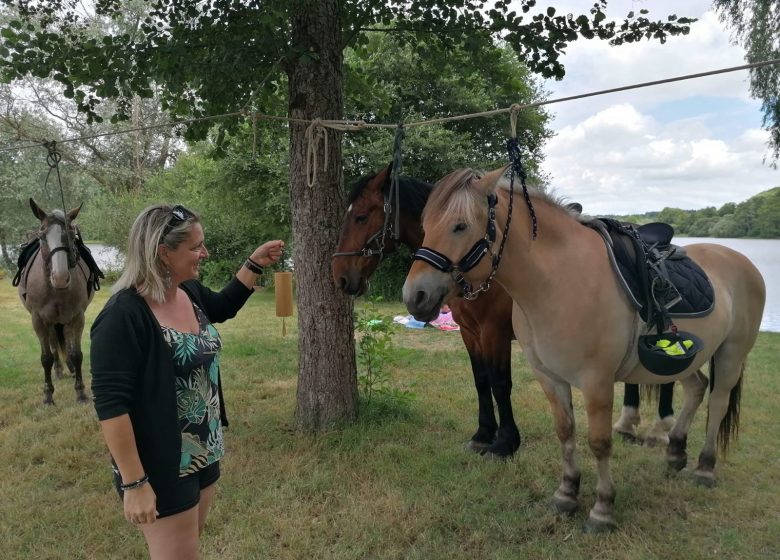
column 284, row 296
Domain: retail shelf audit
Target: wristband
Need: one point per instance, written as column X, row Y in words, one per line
column 136, row 484
column 253, row 266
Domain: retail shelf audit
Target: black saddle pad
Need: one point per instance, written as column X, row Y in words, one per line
column 26, row 253
column 697, row 296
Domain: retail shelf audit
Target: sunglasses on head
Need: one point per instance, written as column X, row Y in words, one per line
column 179, row 214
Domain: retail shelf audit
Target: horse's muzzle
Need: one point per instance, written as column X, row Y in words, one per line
column 60, row 281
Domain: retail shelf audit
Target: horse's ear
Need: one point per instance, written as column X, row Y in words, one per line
column 75, row 212
column 574, row 208
column 388, row 174
column 487, row 183
column 40, row 214
column 381, row 181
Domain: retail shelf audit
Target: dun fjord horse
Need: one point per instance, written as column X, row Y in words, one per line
column 486, row 326
column 54, row 288
column 577, row 327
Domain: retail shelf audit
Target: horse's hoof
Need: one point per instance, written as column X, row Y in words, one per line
column 48, row 401
column 677, row 463
column 501, row 450
column 656, row 441
column 564, row 506
column 489, row 455
column 597, row 526
column 82, row 398
column 477, row 447
column 628, row 437
column 704, row 479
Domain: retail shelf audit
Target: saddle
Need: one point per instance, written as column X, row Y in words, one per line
column 659, row 278
column 29, row 251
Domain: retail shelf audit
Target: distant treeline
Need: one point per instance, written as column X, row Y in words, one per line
column 757, row 217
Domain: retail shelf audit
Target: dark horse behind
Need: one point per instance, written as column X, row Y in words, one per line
column 56, row 281
column 368, row 234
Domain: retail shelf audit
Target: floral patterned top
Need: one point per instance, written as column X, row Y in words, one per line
column 196, row 357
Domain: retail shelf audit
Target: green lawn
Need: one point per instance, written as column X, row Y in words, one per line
column 390, row 486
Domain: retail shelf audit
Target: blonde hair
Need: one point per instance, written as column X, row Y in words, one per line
column 144, row 270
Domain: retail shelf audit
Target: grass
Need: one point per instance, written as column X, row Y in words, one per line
column 390, row 486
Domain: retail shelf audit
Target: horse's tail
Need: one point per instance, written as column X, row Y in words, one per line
column 729, row 426
column 59, row 332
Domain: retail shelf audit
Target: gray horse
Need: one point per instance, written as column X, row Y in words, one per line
column 55, row 287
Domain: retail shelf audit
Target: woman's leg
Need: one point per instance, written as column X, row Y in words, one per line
column 206, row 497
column 174, row 537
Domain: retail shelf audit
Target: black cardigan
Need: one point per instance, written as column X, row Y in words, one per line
column 133, row 370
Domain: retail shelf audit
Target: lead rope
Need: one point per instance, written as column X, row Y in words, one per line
column 395, row 178
column 53, row 161
column 513, row 148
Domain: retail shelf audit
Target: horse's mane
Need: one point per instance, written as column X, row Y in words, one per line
column 413, row 193
column 555, row 200
column 454, row 195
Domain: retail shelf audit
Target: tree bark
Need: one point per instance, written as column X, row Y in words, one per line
column 327, row 380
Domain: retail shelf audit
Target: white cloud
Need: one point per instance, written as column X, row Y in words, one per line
column 688, row 144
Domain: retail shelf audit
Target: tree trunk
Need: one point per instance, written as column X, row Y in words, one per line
column 10, row 264
column 327, row 380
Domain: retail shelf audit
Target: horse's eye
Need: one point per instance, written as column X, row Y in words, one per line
column 361, row 219
column 459, row 227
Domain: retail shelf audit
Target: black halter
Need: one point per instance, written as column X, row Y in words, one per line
column 69, row 246
column 475, row 254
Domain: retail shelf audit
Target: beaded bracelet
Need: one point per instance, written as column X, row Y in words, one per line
column 253, row 266
column 136, row 484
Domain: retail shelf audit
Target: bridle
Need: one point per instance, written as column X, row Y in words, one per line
column 69, row 245
column 474, row 255
column 375, row 245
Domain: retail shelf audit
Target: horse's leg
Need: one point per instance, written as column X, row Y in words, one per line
column 486, row 429
column 559, row 394
column 659, row 433
column 72, row 338
column 629, row 416
column 499, row 345
column 47, row 357
column 694, row 387
column 59, row 371
column 598, row 404
column 722, row 412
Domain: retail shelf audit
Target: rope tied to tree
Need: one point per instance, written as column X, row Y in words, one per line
column 316, row 132
column 513, row 111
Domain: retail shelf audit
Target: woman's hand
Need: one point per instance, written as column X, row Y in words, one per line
column 140, row 505
column 268, row 253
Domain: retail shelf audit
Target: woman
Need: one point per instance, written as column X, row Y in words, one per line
column 155, row 376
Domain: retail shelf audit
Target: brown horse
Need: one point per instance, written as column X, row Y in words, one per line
column 54, row 287
column 577, row 326
column 485, row 326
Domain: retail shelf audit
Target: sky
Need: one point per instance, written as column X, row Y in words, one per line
column 689, row 144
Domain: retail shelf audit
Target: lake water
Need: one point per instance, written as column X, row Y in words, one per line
column 106, row 257
column 765, row 254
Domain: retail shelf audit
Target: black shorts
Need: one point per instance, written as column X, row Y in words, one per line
column 183, row 495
